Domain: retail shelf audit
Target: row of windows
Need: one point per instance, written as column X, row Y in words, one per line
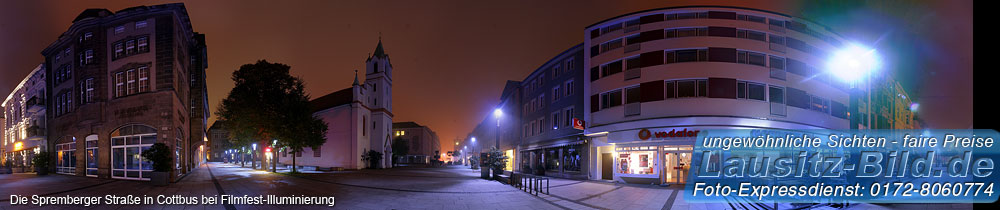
column 567, row 89
column 711, row 54
column 774, row 24
column 559, row 119
column 532, row 85
column 63, row 73
column 716, row 88
column 131, row 46
column 127, row 84
column 138, row 24
column 631, row 40
column 64, row 103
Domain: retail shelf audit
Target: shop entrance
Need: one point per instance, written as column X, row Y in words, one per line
column 676, row 162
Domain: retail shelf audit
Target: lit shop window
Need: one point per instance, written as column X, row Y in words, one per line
column 633, row 160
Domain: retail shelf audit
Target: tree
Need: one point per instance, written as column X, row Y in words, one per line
column 400, row 148
column 159, row 153
column 437, row 157
column 268, row 104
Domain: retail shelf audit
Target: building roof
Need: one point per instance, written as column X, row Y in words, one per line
column 334, row 99
column 410, row 124
column 93, row 12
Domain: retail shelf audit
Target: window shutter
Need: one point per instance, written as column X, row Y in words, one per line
column 722, row 54
column 722, row 31
column 646, row 36
column 721, row 88
column 722, row 15
column 651, row 58
column 651, row 18
column 651, row 91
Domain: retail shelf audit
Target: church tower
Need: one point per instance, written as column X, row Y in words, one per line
column 378, row 90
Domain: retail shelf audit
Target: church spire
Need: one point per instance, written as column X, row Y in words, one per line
column 355, row 77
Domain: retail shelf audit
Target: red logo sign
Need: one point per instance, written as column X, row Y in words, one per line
column 578, row 124
column 645, row 134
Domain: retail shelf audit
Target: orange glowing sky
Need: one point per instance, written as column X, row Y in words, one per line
column 452, row 58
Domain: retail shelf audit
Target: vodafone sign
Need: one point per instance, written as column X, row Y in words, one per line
column 646, row 134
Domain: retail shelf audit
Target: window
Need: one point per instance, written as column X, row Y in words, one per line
column 632, row 94
column 777, row 95
column 119, row 50
column 741, row 90
column 702, row 88
column 89, row 56
column 569, row 88
column 119, row 84
column 670, row 89
column 119, row 29
column 526, row 130
column 130, row 47
column 143, row 79
column 555, row 120
column 143, row 44
column 754, row 35
column 819, row 104
column 541, row 101
column 140, row 24
column 632, row 62
column 92, row 155
column 87, row 36
column 556, row 93
column 611, row 68
column 633, row 39
column 571, row 161
column 756, row 91
column 684, row 32
column 611, row 45
column 67, row 158
column 568, row 116
column 777, row 62
column 89, row 89
column 533, row 128
column 748, row 57
column 131, row 81
column 611, row 99
column 316, row 151
column 570, row 65
column 555, row 71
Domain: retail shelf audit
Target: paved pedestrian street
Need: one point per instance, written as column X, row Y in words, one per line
column 446, row 187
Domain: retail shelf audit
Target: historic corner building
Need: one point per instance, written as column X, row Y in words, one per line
column 359, row 119
column 422, row 141
column 24, row 122
column 657, row 77
column 118, row 83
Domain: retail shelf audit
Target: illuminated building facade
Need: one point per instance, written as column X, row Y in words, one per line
column 657, row 77
column 422, row 140
column 536, row 116
column 218, row 139
column 24, row 122
column 118, row 83
column 359, row 120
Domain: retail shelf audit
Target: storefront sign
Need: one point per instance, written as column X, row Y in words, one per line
column 578, row 124
column 645, row 134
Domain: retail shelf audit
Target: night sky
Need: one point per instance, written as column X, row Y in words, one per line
column 452, row 58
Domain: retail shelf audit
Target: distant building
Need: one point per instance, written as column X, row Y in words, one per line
column 120, row 82
column 535, row 126
column 422, row 140
column 359, row 120
column 218, row 138
column 24, row 121
column 890, row 106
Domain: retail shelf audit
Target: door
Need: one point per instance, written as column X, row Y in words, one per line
column 675, row 167
column 607, row 166
column 670, row 167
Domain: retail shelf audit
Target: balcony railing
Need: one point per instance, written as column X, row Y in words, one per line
column 35, row 131
column 35, row 104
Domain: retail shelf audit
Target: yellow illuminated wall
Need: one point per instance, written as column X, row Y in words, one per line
column 510, row 160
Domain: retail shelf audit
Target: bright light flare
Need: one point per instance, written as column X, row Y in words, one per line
column 497, row 112
column 853, row 63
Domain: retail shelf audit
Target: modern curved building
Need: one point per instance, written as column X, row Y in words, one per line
column 657, row 77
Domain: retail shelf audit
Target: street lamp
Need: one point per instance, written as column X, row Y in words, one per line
column 853, row 64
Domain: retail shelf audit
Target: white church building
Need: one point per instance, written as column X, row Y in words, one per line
column 359, row 120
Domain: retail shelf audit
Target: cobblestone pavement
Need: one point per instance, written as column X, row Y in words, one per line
column 447, row 187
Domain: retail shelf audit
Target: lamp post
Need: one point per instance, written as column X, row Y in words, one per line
column 476, row 147
column 853, row 64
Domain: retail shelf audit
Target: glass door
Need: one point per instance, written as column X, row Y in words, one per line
column 676, row 165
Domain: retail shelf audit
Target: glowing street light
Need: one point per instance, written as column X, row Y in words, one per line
column 497, row 112
column 853, row 63
column 914, row 107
